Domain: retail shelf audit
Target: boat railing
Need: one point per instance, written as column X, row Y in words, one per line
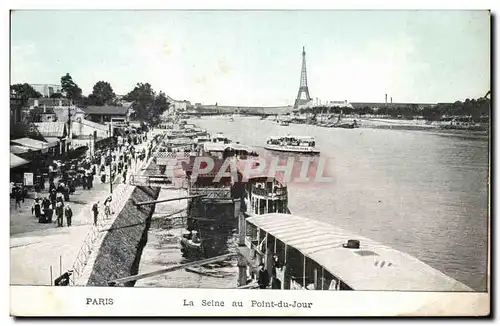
column 210, row 192
column 278, row 191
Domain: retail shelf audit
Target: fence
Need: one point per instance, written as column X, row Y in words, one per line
column 86, row 249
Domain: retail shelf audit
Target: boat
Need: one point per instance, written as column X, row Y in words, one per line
column 284, row 123
column 346, row 124
column 263, row 196
column 231, row 119
column 294, row 144
column 312, row 255
column 461, row 123
column 220, row 138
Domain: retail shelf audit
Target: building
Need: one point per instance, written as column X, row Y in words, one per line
column 179, row 105
column 47, row 89
column 47, row 109
column 15, row 108
column 107, row 113
column 55, row 132
column 40, row 115
column 379, row 105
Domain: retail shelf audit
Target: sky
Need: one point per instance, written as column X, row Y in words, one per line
column 253, row 58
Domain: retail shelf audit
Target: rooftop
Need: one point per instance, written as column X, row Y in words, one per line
column 373, row 266
column 106, row 110
column 49, row 101
column 51, row 129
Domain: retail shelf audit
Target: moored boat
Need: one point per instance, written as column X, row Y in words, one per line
column 311, row 255
column 220, row 138
column 461, row 123
column 263, row 196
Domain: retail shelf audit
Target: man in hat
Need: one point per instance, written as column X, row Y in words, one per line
column 263, row 277
column 69, row 214
column 60, row 213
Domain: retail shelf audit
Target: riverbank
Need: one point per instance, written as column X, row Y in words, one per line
column 41, row 252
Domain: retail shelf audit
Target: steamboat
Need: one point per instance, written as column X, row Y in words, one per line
column 292, row 144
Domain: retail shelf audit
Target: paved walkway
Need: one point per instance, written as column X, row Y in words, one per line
column 37, row 248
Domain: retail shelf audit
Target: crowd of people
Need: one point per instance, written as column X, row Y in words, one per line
column 117, row 159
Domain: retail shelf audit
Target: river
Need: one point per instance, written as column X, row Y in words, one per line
column 420, row 192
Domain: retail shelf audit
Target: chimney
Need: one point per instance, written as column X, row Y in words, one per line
column 385, row 98
column 391, row 99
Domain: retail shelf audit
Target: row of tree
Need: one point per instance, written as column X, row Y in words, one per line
column 475, row 108
column 147, row 105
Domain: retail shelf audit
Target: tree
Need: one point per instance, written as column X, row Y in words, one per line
column 25, row 91
column 147, row 105
column 161, row 103
column 73, row 92
column 102, row 94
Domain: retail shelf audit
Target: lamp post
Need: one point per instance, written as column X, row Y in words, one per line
column 111, row 162
column 90, row 144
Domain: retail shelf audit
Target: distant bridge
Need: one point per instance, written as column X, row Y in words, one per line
column 247, row 110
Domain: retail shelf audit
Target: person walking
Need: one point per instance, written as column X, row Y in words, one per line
column 48, row 213
column 37, row 208
column 95, row 210
column 45, row 206
column 69, row 214
column 53, row 197
column 59, row 213
column 124, row 175
column 18, row 196
column 107, row 207
column 90, row 181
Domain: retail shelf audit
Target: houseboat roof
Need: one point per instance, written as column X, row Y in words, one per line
column 179, row 141
column 214, row 147
column 372, row 267
column 292, row 136
column 239, row 147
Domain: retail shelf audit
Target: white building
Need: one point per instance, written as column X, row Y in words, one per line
column 179, row 105
column 47, row 89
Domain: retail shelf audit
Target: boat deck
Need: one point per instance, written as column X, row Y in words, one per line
column 371, row 267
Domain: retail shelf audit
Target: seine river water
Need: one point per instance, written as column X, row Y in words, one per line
column 420, row 192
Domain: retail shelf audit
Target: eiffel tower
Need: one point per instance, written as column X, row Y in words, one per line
column 303, row 96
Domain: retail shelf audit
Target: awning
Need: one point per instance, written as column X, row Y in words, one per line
column 32, row 143
column 16, row 161
column 16, row 149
